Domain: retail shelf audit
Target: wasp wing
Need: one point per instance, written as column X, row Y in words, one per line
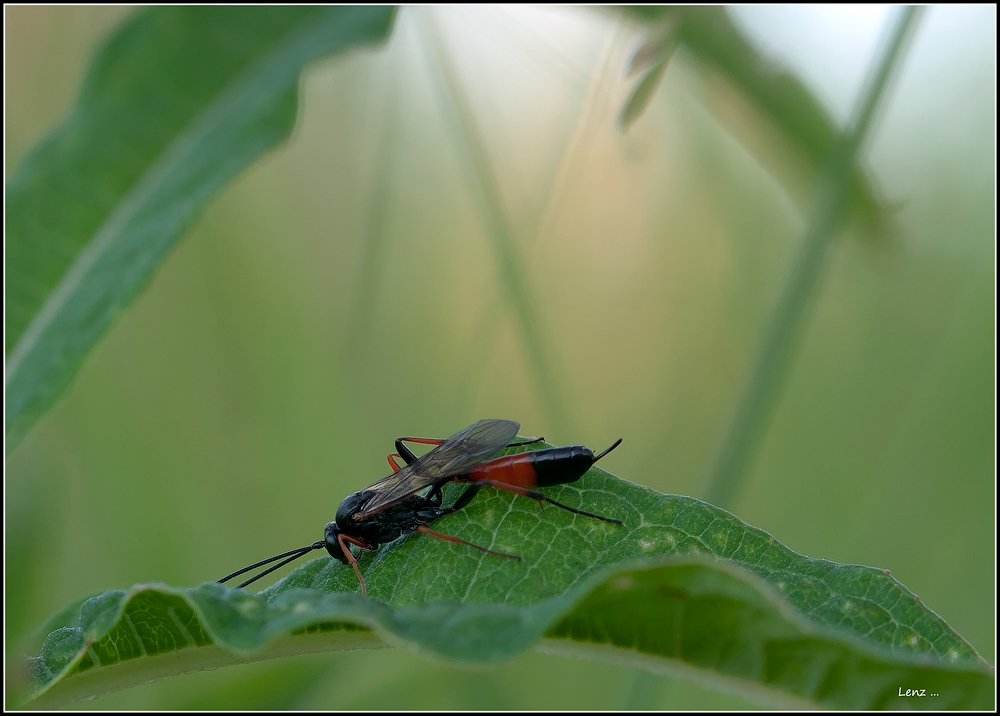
column 480, row 441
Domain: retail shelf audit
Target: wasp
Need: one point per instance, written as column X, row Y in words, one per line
column 411, row 497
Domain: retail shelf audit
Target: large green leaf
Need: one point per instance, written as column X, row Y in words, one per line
column 682, row 586
column 175, row 104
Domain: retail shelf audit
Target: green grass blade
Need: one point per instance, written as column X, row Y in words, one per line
column 175, row 104
column 488, row 197
column 777, row 343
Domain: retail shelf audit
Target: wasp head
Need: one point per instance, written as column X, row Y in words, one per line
column 333, row 544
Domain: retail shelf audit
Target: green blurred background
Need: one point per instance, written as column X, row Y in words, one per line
column 346, row 290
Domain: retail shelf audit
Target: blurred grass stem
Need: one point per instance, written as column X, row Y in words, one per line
column 596, row 94
column 783, row 327
column 486, row 193
column 373, row 256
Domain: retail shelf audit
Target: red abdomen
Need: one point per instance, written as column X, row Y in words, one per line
column 537, row 468
column 517, row 470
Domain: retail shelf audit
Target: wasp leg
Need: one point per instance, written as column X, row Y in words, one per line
column 436, row 495
column 406, row 454
column 466, row 497
column 424, row 529
column 527, row 442
column 341, row 539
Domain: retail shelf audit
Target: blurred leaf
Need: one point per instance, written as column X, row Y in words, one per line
column 759, row 102
column 650, row 61
column 682, row 586
column 643, row 92
column 176, row 104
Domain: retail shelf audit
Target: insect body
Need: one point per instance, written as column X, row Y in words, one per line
column 411, row 497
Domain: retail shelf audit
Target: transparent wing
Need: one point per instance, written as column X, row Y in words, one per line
column 480, row 441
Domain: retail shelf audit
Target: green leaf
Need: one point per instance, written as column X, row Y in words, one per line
column 681, row 587
column 176, row 104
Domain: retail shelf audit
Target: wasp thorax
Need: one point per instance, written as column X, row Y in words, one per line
column 349, row 507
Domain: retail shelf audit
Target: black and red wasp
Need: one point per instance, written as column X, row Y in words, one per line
column 410, row 498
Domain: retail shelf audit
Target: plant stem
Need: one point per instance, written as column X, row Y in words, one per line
column 486, row 192
column 783, row 328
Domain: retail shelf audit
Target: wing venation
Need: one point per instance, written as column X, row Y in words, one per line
column 480, row 441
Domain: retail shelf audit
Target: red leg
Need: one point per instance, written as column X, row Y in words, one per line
column 406, row 454
column 424, row 529
column 392, row 463
column 341, row 539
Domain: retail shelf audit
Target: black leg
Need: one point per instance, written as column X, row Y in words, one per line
column 466, row 497
column 527, row 442
column 406, row 453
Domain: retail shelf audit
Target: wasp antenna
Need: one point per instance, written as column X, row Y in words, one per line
column 279, row 565
column 318, row 544
column 617, row 443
